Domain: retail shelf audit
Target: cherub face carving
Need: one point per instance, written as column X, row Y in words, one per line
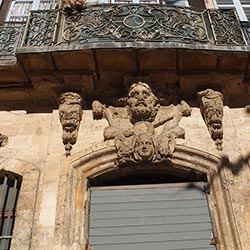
column 144, row 147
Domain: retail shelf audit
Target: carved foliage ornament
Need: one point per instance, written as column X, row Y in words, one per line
column 211, row 107
column 70, row 113
column 3, row 140
column 138, row 142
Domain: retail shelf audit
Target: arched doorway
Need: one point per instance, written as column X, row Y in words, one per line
column 85, row 170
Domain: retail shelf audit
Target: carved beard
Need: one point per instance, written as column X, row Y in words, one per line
column 142, row 111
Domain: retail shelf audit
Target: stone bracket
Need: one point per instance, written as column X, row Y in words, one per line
column 211, row 107
column 70, row 114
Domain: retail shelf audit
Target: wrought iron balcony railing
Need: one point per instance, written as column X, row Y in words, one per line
column 122, row 23
column 10, row 38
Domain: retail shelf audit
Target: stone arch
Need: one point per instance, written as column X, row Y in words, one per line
column 72, row 202
column 26, row 200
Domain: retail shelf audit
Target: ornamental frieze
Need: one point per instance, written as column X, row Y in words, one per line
column 143, row 131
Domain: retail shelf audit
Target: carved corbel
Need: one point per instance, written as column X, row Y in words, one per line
column 3, row 140
column 211, row 107
column 70, row 114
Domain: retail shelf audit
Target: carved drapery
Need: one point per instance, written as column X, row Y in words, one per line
column 70, row 113
column 137, row 142
column 211, row 107
column 3, row 140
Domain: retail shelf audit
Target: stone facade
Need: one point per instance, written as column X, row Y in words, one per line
column 35, row 140
column 140, row 114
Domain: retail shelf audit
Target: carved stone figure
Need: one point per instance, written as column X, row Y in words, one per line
column 211, row 107
column 143, row 105
column 3, row 140
column 144, row 147
column 133, row 131
column 73, row 5
column 70, row 113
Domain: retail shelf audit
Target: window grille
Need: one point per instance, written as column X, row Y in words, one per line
column 9, row 189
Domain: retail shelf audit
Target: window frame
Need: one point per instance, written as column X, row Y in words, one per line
column 237, row 5
column 34, row 6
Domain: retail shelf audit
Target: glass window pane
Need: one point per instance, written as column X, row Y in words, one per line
column 247, row 12
column 224, row 2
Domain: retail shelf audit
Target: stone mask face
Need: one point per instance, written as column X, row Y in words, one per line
column 143, row 105
column 70, row 114
column 144, row 147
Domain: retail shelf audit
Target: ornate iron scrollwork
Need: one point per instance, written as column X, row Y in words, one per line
column 134, row 22
column 3, row 140
column 41, row 28
column 9, row 37
column 226, row 27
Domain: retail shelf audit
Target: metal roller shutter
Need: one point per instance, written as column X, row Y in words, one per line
column 150, row 217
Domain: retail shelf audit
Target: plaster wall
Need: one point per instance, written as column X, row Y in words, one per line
column 36, row 138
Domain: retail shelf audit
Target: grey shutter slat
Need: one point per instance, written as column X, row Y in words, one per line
column 145, row 191
column 177, row 245
column 145, row 213
column 149, row 219
column 143, row 198
column 151, row 229
column 156, row 237
column 149, row 205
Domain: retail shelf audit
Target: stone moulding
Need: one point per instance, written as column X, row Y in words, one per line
column 70, row 114
column 72, row 227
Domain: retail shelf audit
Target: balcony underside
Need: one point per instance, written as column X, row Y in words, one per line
column 101, row 73
column 101, row 51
